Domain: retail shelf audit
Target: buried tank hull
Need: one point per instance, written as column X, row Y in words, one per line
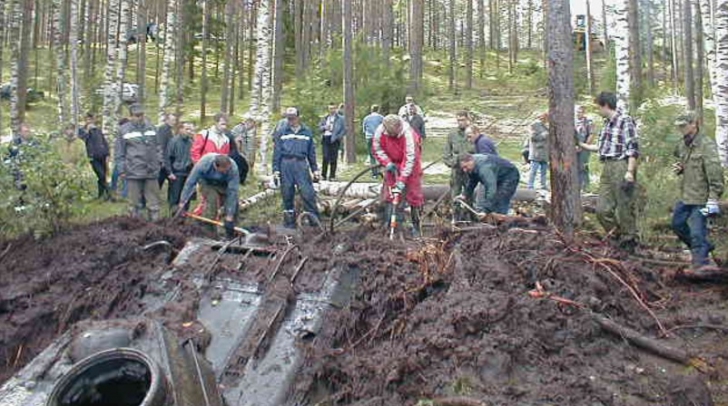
column 208, row 336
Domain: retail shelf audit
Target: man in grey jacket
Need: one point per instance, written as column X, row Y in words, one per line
column 139, row 158
column 538, row 153
column 333, row 130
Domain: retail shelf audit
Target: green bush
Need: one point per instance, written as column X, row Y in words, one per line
column 52, row 190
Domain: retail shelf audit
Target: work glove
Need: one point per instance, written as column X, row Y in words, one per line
column 391, row 167
column 277, row 179
column 398, row 187
column 229, row 229
column 711, row 208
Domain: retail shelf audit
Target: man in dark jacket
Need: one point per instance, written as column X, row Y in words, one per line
column 416, row 121
column 294, row 158
column 499, row 178
column 178, row 163
column 165, row 132
column 139, row 158
column 97, row 150
column 483, row 144
column 333, row 129
column 218, row 177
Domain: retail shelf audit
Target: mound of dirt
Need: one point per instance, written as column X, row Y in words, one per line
column 97, row 271
column 471, row 320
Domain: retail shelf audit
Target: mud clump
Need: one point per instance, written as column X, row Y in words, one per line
column 98, row 271
column 455, row 319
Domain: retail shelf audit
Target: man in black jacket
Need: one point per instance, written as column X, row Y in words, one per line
column 165, row 132
column 178, row 163
column 97, row 149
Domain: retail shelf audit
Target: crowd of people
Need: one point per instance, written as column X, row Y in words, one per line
column 212, row 163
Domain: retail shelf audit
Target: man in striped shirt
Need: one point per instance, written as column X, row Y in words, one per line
column 618, row 149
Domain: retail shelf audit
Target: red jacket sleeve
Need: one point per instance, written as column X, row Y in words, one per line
column 198, row 146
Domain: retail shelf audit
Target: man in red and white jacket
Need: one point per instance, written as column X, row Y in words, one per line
column 398, row 148
column 214, row 140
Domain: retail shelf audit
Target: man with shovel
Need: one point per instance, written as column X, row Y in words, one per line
column 499, row 178
column 398, row 148
column 218, row 177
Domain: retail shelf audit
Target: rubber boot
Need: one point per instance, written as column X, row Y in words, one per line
column 416, row 224
column 289, row 219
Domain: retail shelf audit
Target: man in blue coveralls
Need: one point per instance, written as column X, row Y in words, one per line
column 294, row 161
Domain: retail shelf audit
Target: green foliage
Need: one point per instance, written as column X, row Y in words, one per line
column 51, row 190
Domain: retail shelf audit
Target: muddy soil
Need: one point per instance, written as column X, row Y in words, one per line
column 98, row 271
column 455, row 320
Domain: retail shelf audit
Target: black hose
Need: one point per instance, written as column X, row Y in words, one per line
column 343, row 191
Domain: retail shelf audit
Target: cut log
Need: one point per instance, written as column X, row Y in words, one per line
column 256, row 198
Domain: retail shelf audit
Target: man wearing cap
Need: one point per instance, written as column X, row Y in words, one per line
column 294, row 158
column 245, row 136
column 618, row 149
column 398, row 148
column 701, row 186
column 404, row 111
column 139, row 158
column 456, row 145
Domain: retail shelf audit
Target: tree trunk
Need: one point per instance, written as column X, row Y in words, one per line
column 123, row 51
column 298, row 35
column 417, row 39
column 349, row 97
column 261, row 92
column 469, row 52
column 110, row 95
column 228, row 69
column 387, row 31
column 688, row 54
column 481, row 36
column 252, row 45
column 635, row 54
column 141, row 30
column 529, row 22
column 650, row 49
column 206, row 14
column 700, row 58
column 279, row 52
column 453, row 57
column 589, row 72
column 181, row 45
column 73, row 39
column 709, row 34
column 721, row 78
column 170, row 51
column 21, row 44
column 16, row 19
column 3, row 29
column 61, row 62
column 673, row 44
column 621, row 44
column 604, row 24
column 565, row 209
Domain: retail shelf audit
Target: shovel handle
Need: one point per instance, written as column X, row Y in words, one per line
column 214, row 222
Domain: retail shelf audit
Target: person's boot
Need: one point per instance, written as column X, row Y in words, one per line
column 289, row 219
column 416, row 223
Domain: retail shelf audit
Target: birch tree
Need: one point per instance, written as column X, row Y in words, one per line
column 709, row 37
column 170, row 51
column 73, row 45
column 61, row 61
column 721, row 76
column 110, row 95
column 261, row 93
column 122, row 51
column 621, row 52
column 689, row 73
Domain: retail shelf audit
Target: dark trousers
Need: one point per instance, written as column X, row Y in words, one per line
column 99, row 167
column 691, row 226
column 501, row 201
column 163, row 176
column 295, row 173
column 331, row 157
column 174, row 192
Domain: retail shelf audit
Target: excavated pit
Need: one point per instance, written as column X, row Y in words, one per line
column 357, row 319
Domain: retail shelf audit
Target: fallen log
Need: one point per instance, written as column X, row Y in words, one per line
column 644, row 342
column 256, row 198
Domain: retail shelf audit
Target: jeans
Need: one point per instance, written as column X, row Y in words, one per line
column 295, row 173
column 99, row 167
column 330, row 157
column 501, row 201
column 691, row 226
column 536, row 167
column 372, row 160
